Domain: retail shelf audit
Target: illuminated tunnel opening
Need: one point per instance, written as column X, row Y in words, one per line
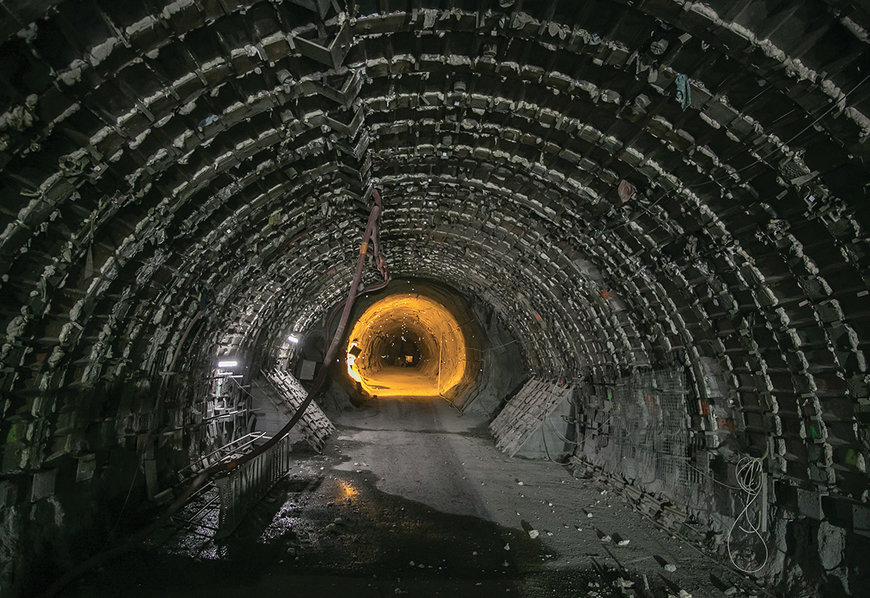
column 407, row 346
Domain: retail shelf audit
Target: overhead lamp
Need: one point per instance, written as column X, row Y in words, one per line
column 230, row 363
column 294, row 338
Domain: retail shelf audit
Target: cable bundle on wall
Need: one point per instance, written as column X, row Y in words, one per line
column 750, row 479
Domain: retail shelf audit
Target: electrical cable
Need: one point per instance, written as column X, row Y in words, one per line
column 714, row 558
column 546, row 450
column 709, row 475
column 242, row 388
column 222, row 467
column 562, row 438
column 155, row 413
column 759, row 160
column 792, row 138
column 749, row 478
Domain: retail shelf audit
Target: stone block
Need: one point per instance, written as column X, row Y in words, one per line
column 12, row 459
column 8, row 494
column 861, row 519
column 830, row 310
column 87, row 465
column 809, row 504
column 832, row 543
column 838, row 510
column 43, row 484
column 787, row 496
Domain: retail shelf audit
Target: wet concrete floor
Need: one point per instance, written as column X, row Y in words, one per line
column 410, row 498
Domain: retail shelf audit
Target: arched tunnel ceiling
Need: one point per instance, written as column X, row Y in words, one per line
column 214, row 156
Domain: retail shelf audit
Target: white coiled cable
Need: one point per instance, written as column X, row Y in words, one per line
column 750, row 479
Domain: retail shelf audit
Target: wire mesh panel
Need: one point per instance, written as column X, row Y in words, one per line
column 314, row 425
column 525, row 413
column 650, row 428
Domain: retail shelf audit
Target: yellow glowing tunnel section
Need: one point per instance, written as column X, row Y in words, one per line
column 407, row 346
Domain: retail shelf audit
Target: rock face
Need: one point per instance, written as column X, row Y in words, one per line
column 634, row 193
column 832, row 544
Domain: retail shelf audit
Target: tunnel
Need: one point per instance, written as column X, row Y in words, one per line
column 408, row 345
column 471, row 297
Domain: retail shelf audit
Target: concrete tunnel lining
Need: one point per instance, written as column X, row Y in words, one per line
column 200, row 162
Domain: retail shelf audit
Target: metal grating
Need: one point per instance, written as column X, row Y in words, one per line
column 314, row 425
column 650, row 427
column 525, row 413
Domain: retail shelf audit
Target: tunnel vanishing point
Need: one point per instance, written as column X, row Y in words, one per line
column 649, row 214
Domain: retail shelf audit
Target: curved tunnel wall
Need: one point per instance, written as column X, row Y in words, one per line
column 164, row 161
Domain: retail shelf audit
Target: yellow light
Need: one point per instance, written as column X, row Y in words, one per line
column 440, row 361
column 347, row 490
column 351, row 364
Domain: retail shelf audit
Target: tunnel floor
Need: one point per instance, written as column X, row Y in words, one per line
column 412, row 499
column 399, row 382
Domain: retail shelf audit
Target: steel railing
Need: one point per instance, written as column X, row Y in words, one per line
column 220, row 454
column 247, row 484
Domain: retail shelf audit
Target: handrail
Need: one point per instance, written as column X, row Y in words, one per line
column 242, row 441
column 244, row 486
column 139, row 536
